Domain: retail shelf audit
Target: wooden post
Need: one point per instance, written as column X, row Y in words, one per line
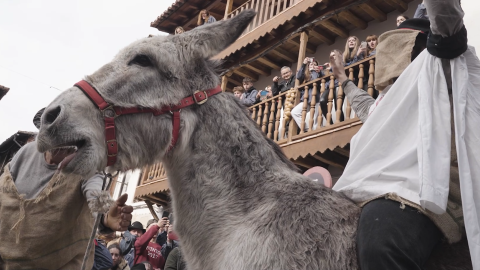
column 150, row 207
column 276, row 133
column 224, row 83
column 330, row 100
column 301, row 53
column 228, row 9
column 320, row 112
column 313, row 102
column 304, row 110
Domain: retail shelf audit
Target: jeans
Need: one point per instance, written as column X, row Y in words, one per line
column 389, row 237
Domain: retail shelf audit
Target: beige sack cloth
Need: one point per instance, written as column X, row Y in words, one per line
column 394, row 53
column 47, row 232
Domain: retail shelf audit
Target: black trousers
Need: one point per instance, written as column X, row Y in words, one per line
column 392, row 238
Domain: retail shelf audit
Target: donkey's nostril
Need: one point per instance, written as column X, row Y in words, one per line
column 52, row 114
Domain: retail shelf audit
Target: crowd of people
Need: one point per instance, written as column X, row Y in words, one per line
column 153, row 248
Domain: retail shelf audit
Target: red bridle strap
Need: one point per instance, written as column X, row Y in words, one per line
column 110, row 112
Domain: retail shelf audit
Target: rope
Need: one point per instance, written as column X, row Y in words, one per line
column 98, row 218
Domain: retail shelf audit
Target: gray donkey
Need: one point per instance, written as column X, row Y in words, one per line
column 239, row 202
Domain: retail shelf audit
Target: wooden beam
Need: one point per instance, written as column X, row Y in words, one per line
column 321, row 35
column 373, row 11
column 342, row 151
column 328, row 161
column 335, row 28
column 290, row 57
column 398, row 5
column 266, row 61
column 152, row 211
column 224, row 83
column 228, row 8
column 353, row 19
column 246, row 73
column 310, row 48
column 155, row 199
column 258, row 69
column 235, row 82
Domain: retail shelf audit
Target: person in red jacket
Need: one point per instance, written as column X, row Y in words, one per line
column 146, row 249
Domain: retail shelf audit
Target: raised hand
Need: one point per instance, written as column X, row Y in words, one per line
column 336, row 62
column 119, row 216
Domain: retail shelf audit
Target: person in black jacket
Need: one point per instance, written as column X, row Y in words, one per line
column 287, row 83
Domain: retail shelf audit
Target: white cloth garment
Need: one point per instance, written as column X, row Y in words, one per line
column 404, row 147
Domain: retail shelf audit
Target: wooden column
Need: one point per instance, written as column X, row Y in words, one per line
column 228, row 9
column 224, row 83
column 292, row 130
column 150, row 207
column 301, row 54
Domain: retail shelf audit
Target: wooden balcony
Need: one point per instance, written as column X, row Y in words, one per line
column 153, row 181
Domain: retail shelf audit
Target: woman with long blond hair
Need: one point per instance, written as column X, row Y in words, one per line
column 353, row 52
column 204, row 17
column 179, row 30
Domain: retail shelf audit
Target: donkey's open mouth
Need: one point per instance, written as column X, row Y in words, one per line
column 66, row 152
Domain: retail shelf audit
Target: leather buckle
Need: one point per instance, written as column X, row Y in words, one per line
column 201, row 101
column 109, row 112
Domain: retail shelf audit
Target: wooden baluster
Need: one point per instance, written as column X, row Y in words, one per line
column 256, row 21
column 320, row 112
column 349, row 106
column 271, row 118
column 156, row 171
column 287, row 110
column 277, row 118
column 162, row 174
column 263, row 12
column 150, row 171
column 330, row 100
column 272, row 9
column 284, row 5
column 360, row 76
column 259, row 116
column 313, row 102
column 371, row 73
column 339, row 103
column 265, row 117
column 304, row 109
column 254, row 109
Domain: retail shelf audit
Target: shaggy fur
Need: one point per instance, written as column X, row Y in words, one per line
column 239, row 202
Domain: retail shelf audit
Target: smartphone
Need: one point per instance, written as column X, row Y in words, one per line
column 165, row 214
column 363, row 44
column 263, row 93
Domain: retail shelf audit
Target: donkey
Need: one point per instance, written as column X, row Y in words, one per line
column 239, row 202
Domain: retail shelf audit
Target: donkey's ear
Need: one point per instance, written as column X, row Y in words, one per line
column 208, row 40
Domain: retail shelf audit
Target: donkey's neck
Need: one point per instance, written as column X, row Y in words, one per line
column 226, row 160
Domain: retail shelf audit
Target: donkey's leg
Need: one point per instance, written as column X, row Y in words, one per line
column 389, row 237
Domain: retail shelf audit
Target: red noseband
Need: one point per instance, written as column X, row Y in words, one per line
column 110, row 112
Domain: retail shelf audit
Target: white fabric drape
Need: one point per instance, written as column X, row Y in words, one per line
column 404, row 147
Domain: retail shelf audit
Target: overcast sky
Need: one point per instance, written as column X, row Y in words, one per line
column 52, row 44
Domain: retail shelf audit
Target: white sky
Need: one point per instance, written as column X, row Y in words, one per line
column 56, row 43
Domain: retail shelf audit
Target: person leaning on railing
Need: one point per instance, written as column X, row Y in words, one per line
column 305, row 75
column 250, row 96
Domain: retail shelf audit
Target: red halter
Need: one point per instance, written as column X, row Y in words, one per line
column 110, row 112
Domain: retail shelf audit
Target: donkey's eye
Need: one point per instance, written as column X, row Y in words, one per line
column 141, row 60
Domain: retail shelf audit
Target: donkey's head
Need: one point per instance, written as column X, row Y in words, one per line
column 150, row 73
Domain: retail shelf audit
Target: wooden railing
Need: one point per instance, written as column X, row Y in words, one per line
column 153, row 173
column 266, row 10
column 276, row 126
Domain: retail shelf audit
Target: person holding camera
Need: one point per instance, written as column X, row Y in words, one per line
column 287, row 83
column 305, row 75
column 146, row 248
